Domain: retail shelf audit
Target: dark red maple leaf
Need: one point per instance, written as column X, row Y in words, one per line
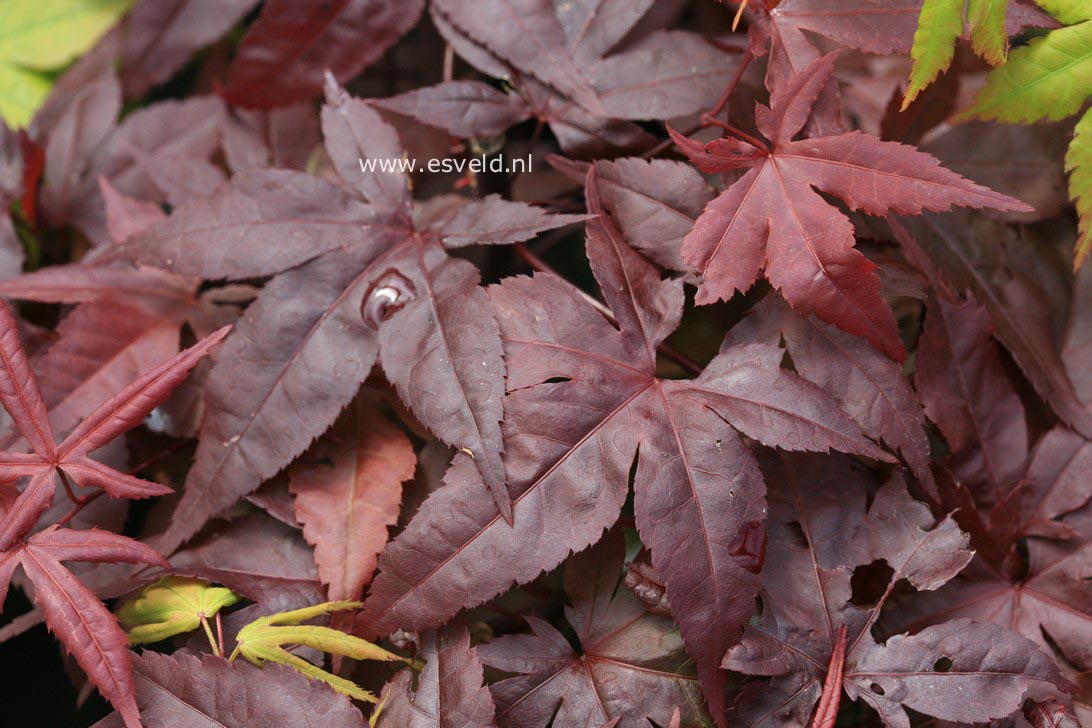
column 284, row 55
column 631, row 667
column 11, row 188
column 873, row 26
column 204, row 690
column 161, row 36
column 583, row 396
column 774, row 219
column 72, row 610
column 970, row 398
column 560, row 58
column 70, row 459
column 825, row 525
column 449, row 692
column 1045, row 592
column 867, row 384
column 362, row 276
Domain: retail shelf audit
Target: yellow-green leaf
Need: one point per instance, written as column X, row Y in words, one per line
column 41, row 36
column 264, row 640
column 1068, row 11
column 173, row 605
column 939, row 26
column 1049, row 78
column 1078, row 162
column 988, row 35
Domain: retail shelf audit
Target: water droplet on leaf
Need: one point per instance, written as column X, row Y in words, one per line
column 386, row 296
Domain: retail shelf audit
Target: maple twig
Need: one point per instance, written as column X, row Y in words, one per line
column 449, row 62
column 220, row 633
column 743, row 63
column 827, row 712
column 684, row 362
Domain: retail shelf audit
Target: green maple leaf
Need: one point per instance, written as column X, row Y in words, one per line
column 39, row 37
column 171, row 606
column 940, row 25
column 1051, row 78
column 264, row 640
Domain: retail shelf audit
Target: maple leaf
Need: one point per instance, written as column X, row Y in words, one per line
column 1048, row 78
column 967, row 394
column 264, row 640
column 70, row 459
column 872, row 26
column 11, row 188
column 256, row 557
column 348, row 500
column 991, row 261
column 808, row 599
column 557, row 56
column 583, row 397
column 203, row 690
column 160, row 153
column 72, row 611
column 631, row 667
column 40, row 38
column 161, row 36
column 127, row 321
column 867, row 384
column 171, row 606
column 464, row 108
column 1047, row 512
column 941, row 23
column 773, row 217
column 449, row 692
column 654, row 202
column 282, row 58
column 361, row 280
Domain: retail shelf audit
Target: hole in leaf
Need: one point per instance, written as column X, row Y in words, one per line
column 878, row 689
column 748, row 547
column 869, row 582
column 557, row 380
column 944, row 664
column 795, row 533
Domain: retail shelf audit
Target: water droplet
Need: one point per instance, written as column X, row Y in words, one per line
column 387, row 295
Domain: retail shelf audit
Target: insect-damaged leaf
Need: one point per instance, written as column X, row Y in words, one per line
column 824, row 529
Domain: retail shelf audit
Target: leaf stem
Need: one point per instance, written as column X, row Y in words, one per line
column 740, row 70
column 827, row 712
column 212, row 639
column 234, row 654
column 737, row 132
column 684, row 362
